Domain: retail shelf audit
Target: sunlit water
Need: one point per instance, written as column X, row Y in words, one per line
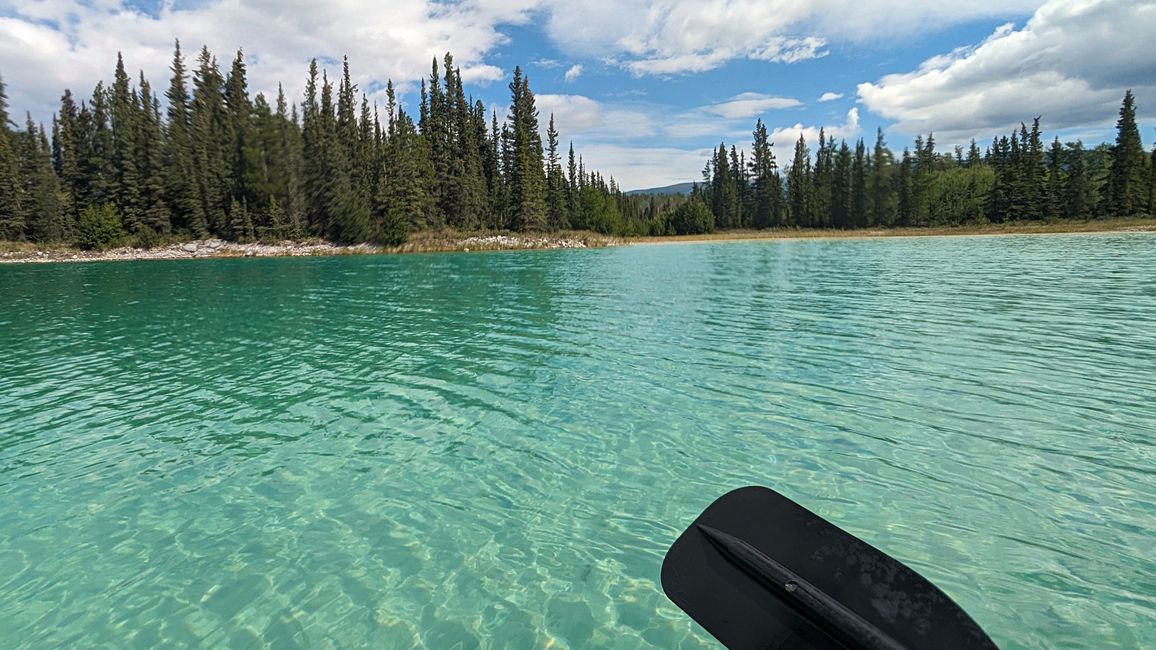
column 496, row 450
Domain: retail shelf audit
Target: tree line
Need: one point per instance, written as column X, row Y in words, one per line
column 1016, row 178
column 218, row 162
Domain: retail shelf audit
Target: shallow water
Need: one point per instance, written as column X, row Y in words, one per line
column 495, row 450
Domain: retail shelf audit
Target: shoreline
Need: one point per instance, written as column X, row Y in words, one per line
column 450, row 241
column 1101, row 226
column 425, row 242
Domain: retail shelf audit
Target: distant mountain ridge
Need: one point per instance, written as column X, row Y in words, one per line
column 680, row 188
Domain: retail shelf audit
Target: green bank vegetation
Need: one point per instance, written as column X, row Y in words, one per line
column 116, row 169
column 1016, row 179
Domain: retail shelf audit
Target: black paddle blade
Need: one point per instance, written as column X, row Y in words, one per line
column 759, row 571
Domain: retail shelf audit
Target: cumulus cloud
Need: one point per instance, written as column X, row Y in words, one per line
column 751, row 104
column 681, row 36
column 574, row 72
column 830, row 97
column 784, row 138
column 1069, row 64
column 49, row 45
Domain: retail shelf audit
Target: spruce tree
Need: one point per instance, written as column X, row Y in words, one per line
column 1033, row 174
column 526, row 176
column 766, row 184
column 11, row 210
column 905, row 209
column 1055, row 187
column 1126, row 190
column 1152, row 183
column 1077, row 202
column 242, row 157
column 859, row 186
column 66, row 150
column 125, row 114
column 555, row 181
column 155, row 216
column 181, row 175
column 211, row 143
column 882, row 209
column 800, row 190
column 841, row 188
column 97, row 176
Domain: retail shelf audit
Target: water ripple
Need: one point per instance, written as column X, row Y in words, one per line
column 492, row 451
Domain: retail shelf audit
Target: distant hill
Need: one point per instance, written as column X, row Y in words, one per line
column 681, row 188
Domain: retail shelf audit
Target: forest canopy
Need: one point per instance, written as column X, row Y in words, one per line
column 217, row 162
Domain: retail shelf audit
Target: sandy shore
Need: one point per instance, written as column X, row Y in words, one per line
column 1065, row 227
column 216, row 248
column 429, row 242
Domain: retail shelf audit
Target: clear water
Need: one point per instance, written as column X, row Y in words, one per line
column 495, row 450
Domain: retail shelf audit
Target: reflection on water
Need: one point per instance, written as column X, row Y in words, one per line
column 496, row 450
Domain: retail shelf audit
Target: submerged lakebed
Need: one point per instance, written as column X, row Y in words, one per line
column 496, row 450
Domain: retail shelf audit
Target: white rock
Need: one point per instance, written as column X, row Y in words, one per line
column 189, row 248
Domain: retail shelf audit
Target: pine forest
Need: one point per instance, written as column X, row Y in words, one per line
column 212, row 161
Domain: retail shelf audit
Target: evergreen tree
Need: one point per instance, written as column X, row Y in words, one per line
column 154, row 214
column 97, row 177
column 467, row 196
column 824, row 172
column 841, row 188
column 1055, row 188
column 882, row 200
column 526, row 176
column 1032, row 176
column 859, row 186
column 43, row 214
column 766, row 185
column 1126, row 190
column 905, row 215
column 66, row 151
column 556, row 185
column 11, row 208
column 800, row 191
column 1078, row 196
column 181, row 176
column 211, row 142
column 124, row 111
column 1152, row 183
column 405, row 195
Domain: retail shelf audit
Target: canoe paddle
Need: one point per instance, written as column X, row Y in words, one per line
column 759, row 571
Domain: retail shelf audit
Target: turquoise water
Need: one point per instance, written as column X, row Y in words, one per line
column 495, row 450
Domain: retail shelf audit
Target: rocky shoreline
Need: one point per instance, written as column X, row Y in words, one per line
column 217, row 248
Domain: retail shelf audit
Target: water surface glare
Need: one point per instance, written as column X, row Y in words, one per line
column 496, row 450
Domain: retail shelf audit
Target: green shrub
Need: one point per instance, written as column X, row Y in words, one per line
column 692, row 218
column 98, row 228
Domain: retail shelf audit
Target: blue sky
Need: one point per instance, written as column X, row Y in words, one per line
column 643, row 88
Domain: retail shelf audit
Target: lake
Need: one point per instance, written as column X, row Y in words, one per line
column 495, row 450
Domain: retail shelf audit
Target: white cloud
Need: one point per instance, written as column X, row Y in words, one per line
column 751, row 104
column 784, row 138
column 680, row 36
column 1070, row 64
column 55, row 44
column 830, row 97
column 644, row 167
column 574, row 72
